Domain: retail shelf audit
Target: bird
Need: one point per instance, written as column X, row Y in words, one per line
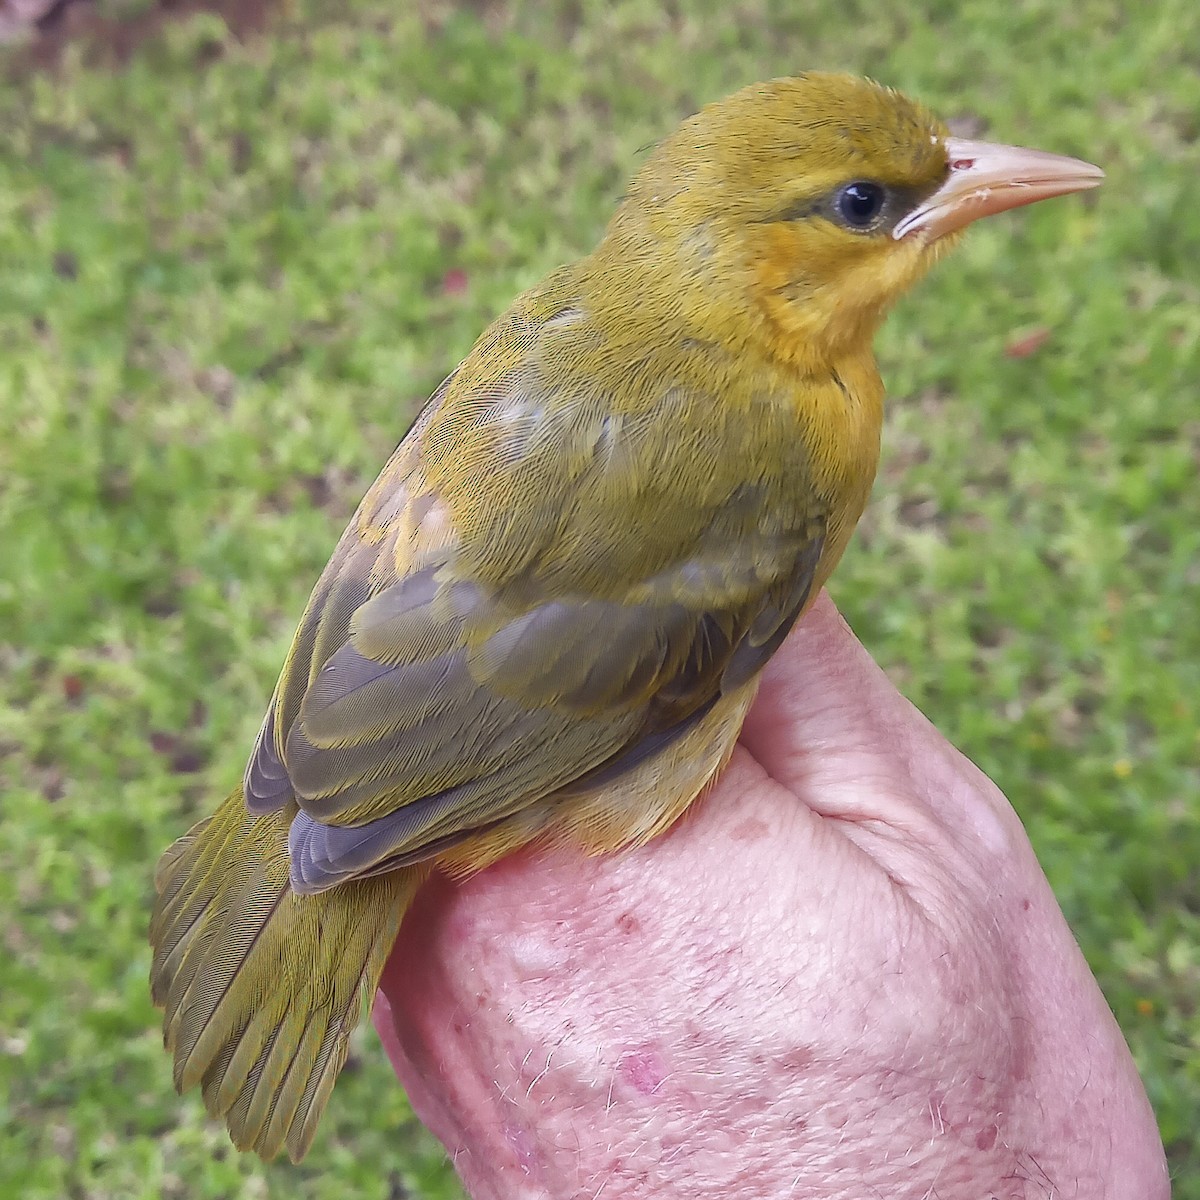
column 547, row 619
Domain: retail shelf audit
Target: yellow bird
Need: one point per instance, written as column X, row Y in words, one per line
column 549, row 615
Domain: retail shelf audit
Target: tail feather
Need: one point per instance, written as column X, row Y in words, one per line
column 262, row 988
column 314, row 1094
column 261, row 1091
column 188, row 875
column 245, row 1060
column 222, row 990
column 281, row 1119
column 166, row 875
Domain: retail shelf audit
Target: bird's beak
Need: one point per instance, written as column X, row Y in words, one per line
column 987, row 178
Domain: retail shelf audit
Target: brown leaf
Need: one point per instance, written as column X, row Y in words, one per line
column 1028, row 343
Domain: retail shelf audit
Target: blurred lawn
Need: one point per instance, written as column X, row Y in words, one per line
column 229, row 273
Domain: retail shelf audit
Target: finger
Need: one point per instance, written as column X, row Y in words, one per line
column 830, row 726
column 824, row 706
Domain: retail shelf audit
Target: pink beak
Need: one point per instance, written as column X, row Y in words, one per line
column 986, row 178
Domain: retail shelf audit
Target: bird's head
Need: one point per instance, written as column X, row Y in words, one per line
column 798, row 209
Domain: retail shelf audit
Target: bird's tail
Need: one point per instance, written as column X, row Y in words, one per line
column 262, row 987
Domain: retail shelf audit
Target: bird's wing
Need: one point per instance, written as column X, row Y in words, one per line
column 430, row 692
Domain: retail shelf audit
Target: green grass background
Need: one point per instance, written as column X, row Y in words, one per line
column 231, row 269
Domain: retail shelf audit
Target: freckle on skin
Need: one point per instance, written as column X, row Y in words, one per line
column 749, row 830
column 794, row 1059
column 985, row 1139
column 644, row 1069
column 460, row 928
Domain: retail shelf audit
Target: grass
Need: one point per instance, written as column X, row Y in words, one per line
column 230, row 270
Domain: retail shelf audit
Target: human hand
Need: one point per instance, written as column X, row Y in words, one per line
column 842, row 974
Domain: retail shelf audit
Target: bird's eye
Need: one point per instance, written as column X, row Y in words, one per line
column 859, row 204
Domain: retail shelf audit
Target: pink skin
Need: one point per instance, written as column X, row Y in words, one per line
column 843, row 974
